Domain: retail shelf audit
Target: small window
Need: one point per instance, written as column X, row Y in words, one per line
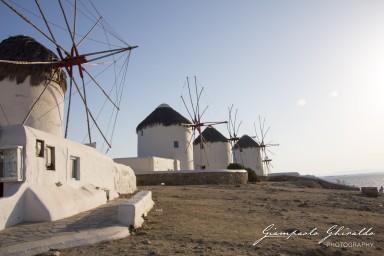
column 176, row 144
column 75, row 168
column 50, row 158
column 201, row 145
column 11, row 164
column 141, row 132
column 39, row 148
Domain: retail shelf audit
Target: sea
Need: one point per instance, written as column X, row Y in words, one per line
column 375, row 179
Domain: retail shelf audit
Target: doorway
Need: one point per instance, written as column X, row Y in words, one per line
column 1, row 189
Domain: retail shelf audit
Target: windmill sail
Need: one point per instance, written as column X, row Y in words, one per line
column 71, row 32
column 196, row 115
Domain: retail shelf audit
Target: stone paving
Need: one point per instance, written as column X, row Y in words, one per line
column 100, row 217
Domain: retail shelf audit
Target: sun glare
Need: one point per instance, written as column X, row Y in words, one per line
column 301, row 102
column 333, row 94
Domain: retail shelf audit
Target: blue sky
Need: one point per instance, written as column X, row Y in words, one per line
column 313, row 69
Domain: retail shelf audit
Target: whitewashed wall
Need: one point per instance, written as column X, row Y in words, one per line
column 147, row 164
column 158, row 141
column 12, row 208
column 251, row 158
column 98, row 173
column 17, row 99
column 214, row 156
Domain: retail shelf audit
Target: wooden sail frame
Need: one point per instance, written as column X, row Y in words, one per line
column 263, row 145
column 72, row 60
column 196, row 115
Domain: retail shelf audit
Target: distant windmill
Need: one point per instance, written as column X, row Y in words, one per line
column 195, row 113
column 217, row 150
column 264, row 146
column 246, row 152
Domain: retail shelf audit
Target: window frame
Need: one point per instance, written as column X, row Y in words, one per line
column 42, row 148
column 50, row 155
column 74, row 167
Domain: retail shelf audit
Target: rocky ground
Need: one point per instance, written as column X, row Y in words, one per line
column 229, row 220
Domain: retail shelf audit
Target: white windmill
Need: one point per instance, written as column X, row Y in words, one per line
column 194, row 111
column 165, row 133
column 264, row 145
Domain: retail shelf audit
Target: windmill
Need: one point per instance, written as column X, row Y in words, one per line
column 195, row 114
column 84, row 53
column 263, row 145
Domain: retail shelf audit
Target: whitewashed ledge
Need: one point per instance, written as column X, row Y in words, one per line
column 195, row 177
column 132, row 211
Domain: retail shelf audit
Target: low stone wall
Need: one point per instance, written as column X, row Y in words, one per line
column 310, row 182
column 193, row 178
column 132, row 211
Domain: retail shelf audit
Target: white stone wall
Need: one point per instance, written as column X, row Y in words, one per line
column 50, row 202
column 12, row 208
column 54, row 191
column 17, row 99
column 251, row 158
column 147, row 164
column 213, row 156
column 158, row 141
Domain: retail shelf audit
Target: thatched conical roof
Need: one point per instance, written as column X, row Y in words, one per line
column 210, row 134
column 162, row 115
column 246, row 142
column 24, row 48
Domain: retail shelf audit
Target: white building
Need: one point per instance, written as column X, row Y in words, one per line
column 44, row 177
column 164, row 134
column 211, row 151
column 143, row 165
column 247, row 153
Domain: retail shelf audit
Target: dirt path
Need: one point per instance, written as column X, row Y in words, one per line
column 228, row 220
